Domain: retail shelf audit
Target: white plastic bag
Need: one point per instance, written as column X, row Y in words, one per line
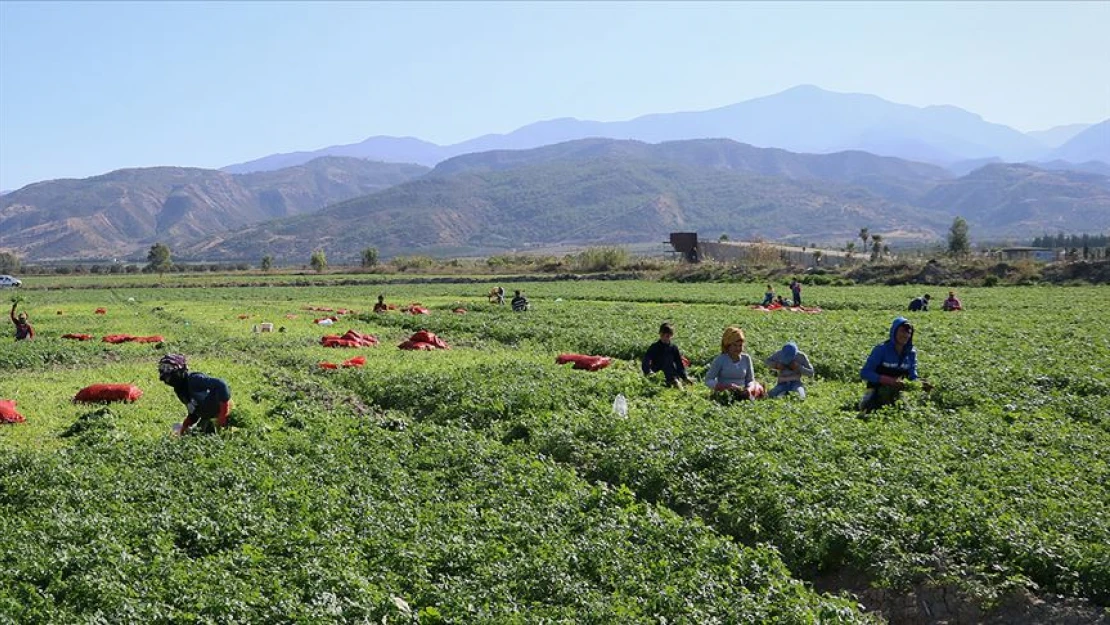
column 620, row 405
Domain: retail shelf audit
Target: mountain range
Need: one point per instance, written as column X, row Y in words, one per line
column 604, row 191
column 802, row 119
column 570, row 182
column 117, row 214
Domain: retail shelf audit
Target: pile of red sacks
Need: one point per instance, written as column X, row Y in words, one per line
column 352, row 338
column 773, row 307
column 423, row 341
column 104, row 393
column 116, row 339
column 416, row 309
column 8, row 413
column 101, row 311
column 357, row 361
column 78, row 337
column 582, row 361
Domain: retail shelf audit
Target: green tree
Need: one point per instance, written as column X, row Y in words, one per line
column 850, row 249
column 864, row 234
column 370, row 257
column 9, row 263
column 158, row 258
column 319, row 261
column 267, row 263
column 959, row 244
column 876, row 246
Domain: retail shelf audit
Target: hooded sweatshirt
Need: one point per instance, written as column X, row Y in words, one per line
column 885, row 360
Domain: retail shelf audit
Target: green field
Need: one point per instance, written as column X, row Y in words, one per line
column 488, row 484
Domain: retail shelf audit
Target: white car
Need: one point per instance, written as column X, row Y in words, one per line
column 6, row 281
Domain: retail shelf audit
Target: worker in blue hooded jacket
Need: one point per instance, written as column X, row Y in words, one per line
column 888, row 367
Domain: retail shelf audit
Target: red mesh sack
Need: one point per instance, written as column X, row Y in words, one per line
column 8, row 413
column 77, row 337
column 104, row 393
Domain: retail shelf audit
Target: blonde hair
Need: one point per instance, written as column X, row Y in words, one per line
column 731, row 335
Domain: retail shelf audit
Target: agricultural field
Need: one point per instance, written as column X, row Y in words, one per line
column 485, row 483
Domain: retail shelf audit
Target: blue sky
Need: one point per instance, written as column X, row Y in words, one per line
column 88, row 87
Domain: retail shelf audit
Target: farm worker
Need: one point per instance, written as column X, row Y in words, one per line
column 781, row 302
column 796, row 291
column 205, row 397
column 889, row 364
column 663, row 355
column 520, row 303
column 500, row 295
column 23, row 329
column 951, row 303
column 768, row 297
column 730, row 373
column 920, row 303
column 791, row 365
column 381, row 307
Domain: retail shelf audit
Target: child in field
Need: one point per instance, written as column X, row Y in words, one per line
column 791, row 365
column 381, row 306
column 768, row 296
column 888, row 365
column 664, row 356
column 23, row 329
column 519, row 303
column 730, row 375
column 205, row 397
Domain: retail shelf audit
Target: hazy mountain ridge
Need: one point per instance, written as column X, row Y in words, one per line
column 803, row 119
column 117, row 213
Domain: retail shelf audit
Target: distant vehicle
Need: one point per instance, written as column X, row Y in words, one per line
column 6, row 281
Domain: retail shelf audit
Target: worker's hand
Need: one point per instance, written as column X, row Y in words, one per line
column 892, row 382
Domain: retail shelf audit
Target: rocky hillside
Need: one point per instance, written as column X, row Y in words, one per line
column 122, row 212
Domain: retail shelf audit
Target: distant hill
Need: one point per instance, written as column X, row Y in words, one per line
column 1058, row 135
column 892, row 178
column 118, row 214
column 801, row 119
column 604, row 192
column 1093, row 144
column 1008, row 199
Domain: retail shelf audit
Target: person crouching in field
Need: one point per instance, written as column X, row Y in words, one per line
column 730, row 375
column 664, row 356
column 23, row 329
column 768, row 296
column 888, row 367
column 952, row 303
column 206, row 398
column 791, row 365
column 920, row 303
column 381, row 306
column 519, row 303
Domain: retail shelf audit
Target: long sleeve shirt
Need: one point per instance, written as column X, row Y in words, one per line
column 663, row 357
column 724, row 371
column 789, row 374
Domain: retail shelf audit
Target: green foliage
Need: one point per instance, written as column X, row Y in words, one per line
column 470, row 484
column 9, row 263
column 158, row 258
column 267, row 263
column 601, row 259
column 318, row 261
column 414, row 263
column 959, row 243
column 370, row 257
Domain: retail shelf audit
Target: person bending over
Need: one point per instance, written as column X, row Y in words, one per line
column 206, row 398
column 889, row 366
